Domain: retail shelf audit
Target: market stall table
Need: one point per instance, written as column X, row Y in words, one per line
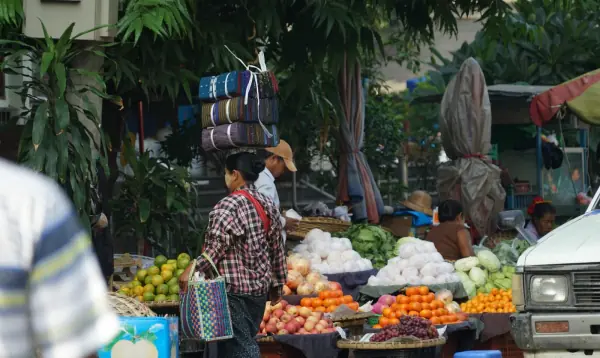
column 352, row 282
column 417, row 349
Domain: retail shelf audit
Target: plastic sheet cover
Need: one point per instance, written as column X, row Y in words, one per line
column 466, row 124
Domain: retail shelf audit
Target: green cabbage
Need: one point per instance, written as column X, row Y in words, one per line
column 371, row 242
column 477, row 276
column 488, row 260
column 404, row 240
column 466, row 264
column 497, row 276
column 504, row 283
column 469, row 286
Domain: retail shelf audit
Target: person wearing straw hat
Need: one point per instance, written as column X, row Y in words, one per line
column 419, row 201
column 451, row 238
column 278, row 160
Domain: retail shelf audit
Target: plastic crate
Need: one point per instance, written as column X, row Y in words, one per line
column 504, row 343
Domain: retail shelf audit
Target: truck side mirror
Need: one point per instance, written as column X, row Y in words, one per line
column 511, row 220
column 515, row 220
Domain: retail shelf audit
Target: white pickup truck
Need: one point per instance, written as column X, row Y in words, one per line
column 556, row 290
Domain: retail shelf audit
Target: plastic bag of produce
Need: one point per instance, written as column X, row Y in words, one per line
column 488, row 260
column 466, row 264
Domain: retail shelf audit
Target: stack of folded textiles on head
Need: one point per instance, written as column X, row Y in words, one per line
column 239, row 109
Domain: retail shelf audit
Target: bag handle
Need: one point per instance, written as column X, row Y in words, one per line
column 259, row 209
column 194, row 263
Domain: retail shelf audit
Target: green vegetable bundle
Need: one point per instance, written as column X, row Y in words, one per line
column 371, row 242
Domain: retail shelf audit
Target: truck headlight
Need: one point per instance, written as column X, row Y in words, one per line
column 549, row 289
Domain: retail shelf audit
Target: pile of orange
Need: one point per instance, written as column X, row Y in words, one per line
column 329, row 301
column 418, row 301
column 497, row 301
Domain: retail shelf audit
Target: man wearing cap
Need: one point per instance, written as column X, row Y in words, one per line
column 278, row 160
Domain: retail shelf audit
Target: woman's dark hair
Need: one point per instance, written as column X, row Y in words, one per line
column 247, row 164
column 449, row 210
column 541, row 209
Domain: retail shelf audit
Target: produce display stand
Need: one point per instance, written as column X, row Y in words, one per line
column 417, row 349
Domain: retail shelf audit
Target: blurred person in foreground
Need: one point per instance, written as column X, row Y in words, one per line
column 278, row 160
column 53, row 297
column 243, row 239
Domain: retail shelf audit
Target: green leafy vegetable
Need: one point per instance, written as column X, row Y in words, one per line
column 371, row 242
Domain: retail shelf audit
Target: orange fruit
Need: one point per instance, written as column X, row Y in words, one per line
column 400, row 313
column 423, row 290
column 320, row 309
column 452, row 318
column 347, row 299
column 430, row 297
column 331, row 308
column 412, row 291
column 415, row 306
column 394, row 321
column 386, row 312
column 426, row 314
column 316, row 302
column 377, row 326
column 405, row 307
column 392, row 315
column 413, row 313
column 435, row 320
column 416, row 298
column 395, row 306
column 353, row 306
column 323, row 295
column 425, row 306
column 437, row 304
column 306, row 302
column 403, row 300
column 383, row 321
column 338, row 294
column 399, row 298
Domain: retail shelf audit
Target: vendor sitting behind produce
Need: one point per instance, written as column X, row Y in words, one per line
column 451, row 238
column 542, row 214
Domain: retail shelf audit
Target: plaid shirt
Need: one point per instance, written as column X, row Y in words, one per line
column 250, row 260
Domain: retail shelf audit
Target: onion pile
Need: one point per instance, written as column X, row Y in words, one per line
column 302, row 281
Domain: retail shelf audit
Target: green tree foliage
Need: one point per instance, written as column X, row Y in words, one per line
column 544, row 42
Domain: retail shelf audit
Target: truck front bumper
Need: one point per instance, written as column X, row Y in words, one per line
column 583, row 332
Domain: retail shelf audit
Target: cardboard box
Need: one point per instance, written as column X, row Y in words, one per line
column 144, row 337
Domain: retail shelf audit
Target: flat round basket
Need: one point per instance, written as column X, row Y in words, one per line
column 165, row 304
column 356, row 345
column 129, row 307
column 325, row 224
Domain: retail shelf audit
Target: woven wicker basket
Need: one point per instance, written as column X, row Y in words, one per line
column 129, row 307
column 325, row 224
column 350, row 344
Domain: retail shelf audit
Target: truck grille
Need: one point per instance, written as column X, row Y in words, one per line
column 586, row 288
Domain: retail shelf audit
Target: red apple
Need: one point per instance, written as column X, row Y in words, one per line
column 302, row 331
column 309, row 326
column 304, row 312
column 278, row 313
column 293, row 310
column 286, row 291
column 266, row 317
column 286, row 318
column 271, row 328
column 284, row 304
column 273, row 320
column 324, row 323
column 312, row 319
column 334, row 286
column 314, row 331
column 291, row 327
column 282, row 332
column 300, row 320
column 317, row 315
column 280, row 325
column 319, row 327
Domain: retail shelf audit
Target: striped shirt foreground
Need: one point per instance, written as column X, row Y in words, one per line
column 52, row 293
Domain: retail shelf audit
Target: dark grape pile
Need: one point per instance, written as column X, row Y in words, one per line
column 409, row 326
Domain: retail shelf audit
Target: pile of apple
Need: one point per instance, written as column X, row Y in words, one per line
column 283, row 318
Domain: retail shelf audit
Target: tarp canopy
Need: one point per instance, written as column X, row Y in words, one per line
column 466, row 125
column 580, row 95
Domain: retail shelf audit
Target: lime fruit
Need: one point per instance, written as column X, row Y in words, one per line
column 153, row 270
column 140, row 298
column 173, row 297
column 168, row 267
column 148, row 280
column 141, row 275
column 149, row 288
column 160, row 260
column 138, row 290
column 128, row 285
column 148, row 296
column 166, row 275
column 172, row 282
column 179, row 272
column 183, row 263
column 135, row 283
column 172, row 262
column 162, row 289
column 160, row 298
column 157, row 280
column 123, row 293
column 174, row 289
column 184, row 256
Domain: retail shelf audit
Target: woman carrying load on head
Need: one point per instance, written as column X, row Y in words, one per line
column 542, row 216
column 451, row 238
column 244, row 241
